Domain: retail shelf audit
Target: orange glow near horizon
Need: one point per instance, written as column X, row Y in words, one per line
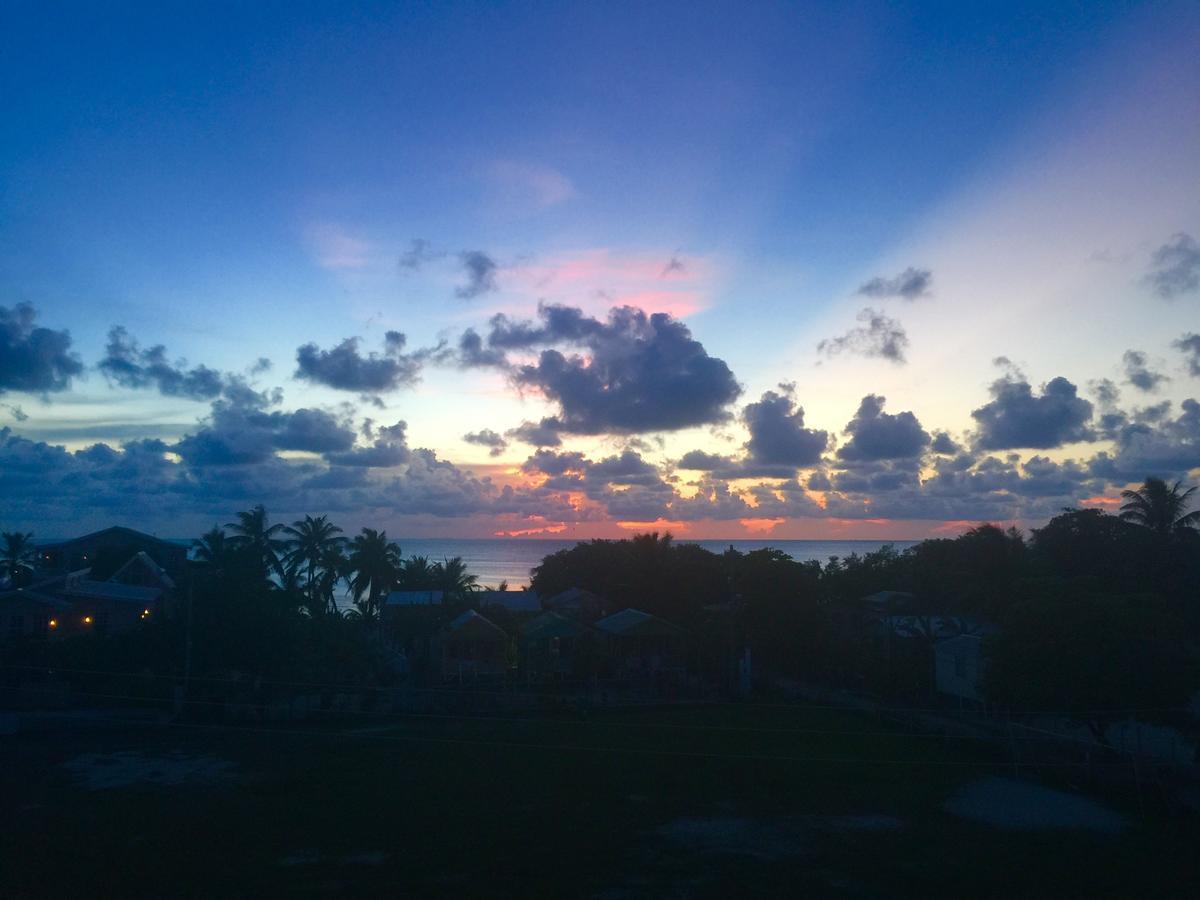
column 656, row 525
column 761, row 526
column 1101, row 501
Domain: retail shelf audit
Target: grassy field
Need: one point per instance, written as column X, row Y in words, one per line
column 713, row 801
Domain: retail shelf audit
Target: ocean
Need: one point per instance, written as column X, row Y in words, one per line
column 510, row 559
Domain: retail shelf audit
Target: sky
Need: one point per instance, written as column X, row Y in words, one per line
column 580, row 270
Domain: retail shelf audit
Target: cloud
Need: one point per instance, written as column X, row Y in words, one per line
column 879, row 336
column 32, row 359
column 1175, row 267
column 480, row 270
column 642, row 373
column 1157, row 445
column 1137, row 373
column 126, row 364
column 389, row 448
column 487, row 438
column 674, row 266
column 1017, row 418
column 944, row 444
column 538, row 434
column 418, row 253
column 345, row 369
column 876, row 435
column 777, row 433
column 910, row 284
column 1189, row 345
column 236, row 435
column 531, row 183
column 472, row 354
column 336, row 248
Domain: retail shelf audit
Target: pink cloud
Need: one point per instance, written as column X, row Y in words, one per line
column 334, row 247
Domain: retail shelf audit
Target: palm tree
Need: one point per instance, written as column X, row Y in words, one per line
column 416, row 574
column 310, row 543
column 212, row 549
column 251, row 532
column 453, row 579
column 373, row 564
column 1160, row 507
column 16, row 555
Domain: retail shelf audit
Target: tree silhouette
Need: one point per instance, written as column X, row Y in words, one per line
column 1160, row 507
column 373, row 564
column 213, row 549
column 453, row 579
column 313, row 544
column 251, row 532
column 16, row 555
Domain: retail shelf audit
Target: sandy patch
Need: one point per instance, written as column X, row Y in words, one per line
column 1006, row 803
column 128, row 768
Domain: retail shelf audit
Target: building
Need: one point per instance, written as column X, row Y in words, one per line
column 959, row 665
column 107, row 551
column 553, row 646
column 471, row 646
column 106, row 606
column 412, row 598
column 27, row 612
column 642, row 645
column 577, row 603
column 513, row 601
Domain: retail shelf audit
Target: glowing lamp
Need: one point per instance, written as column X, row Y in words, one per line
column 87, row 620
column 53, row 623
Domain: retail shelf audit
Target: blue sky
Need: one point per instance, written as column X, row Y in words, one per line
column 236, row 181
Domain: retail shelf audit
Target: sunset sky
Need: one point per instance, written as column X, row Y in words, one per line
column 806, row 270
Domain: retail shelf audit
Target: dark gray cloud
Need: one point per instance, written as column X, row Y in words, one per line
column 495, row 443
column 345, row 369
column 1139, row 374
column 909, row 285
column 879, row 336
column 1017, row 418
column 388, row 448
column 876, row 435
column 15, row 411
column 777, row 433
column 674, row 264
column 1154, row 445
column 236, row 435
column 944, row 444
column 538, row 434
column 1175, row 267
column 33, row 359
column 643, row 373
column 1189, row 346
column 418, row 253
column 472, row 354
column 127, row 364
column 480, row 270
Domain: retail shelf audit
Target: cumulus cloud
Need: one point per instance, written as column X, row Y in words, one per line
column 876, row 435
column 544, row 433
column 777, row 433
column 910, row 284
column 236, row 435
column 127, row 364
column 473, row 354
column 1154, row 445
column 495, row 443
column 1018, row 418
column 944, row 444
column 480, row 270
column 388, row 448
column 33, row 359
column 641, row 373
column 1175, row 267
column 879, row 336
column 345, row 369
column 1138, row 373
column 1189, row 346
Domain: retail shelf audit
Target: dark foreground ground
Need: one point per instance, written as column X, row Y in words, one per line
column 716, row 801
